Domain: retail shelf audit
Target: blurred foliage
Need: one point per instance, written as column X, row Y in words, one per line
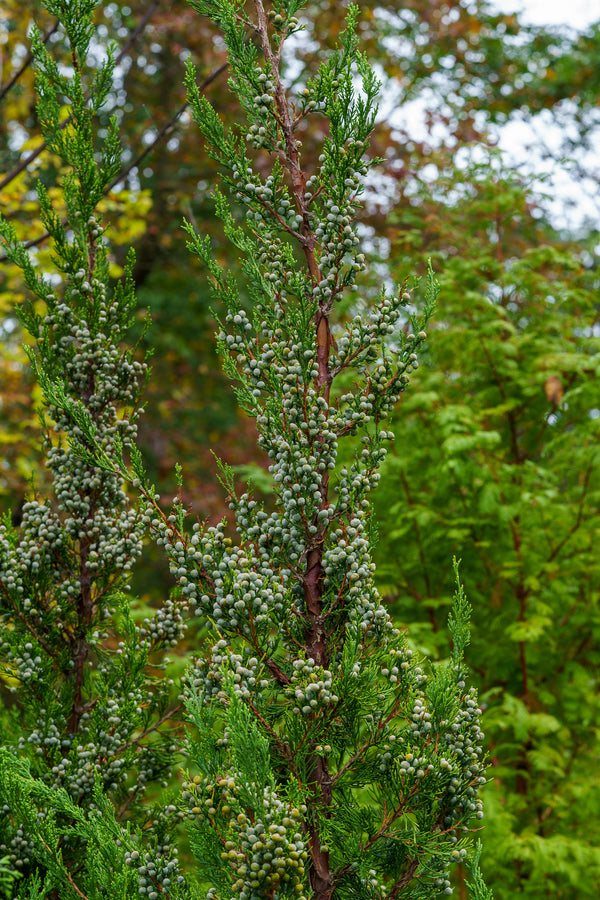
column 497, row 461
column 495, row 457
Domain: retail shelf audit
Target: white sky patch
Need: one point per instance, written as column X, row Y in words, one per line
column 576, row 13
column 534, row 146
column 574, row 199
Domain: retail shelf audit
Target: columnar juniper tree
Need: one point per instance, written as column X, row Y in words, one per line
column 323, row 760
column 327, row 762
column 86, row 712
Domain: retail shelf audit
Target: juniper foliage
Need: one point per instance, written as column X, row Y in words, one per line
column 86, row 709
column 324, row 760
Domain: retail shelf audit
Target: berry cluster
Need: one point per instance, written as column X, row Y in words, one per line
column 312, row 688
column 157, row 871
column 265, row 850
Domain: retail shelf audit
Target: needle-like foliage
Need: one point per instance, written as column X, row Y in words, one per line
column 86, row 715
column 325, row 759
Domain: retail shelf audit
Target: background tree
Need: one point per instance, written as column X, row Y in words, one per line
column 499, row 463
column 513, row 446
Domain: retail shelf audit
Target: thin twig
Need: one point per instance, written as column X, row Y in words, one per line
column 161, row 721
column 25, row 65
